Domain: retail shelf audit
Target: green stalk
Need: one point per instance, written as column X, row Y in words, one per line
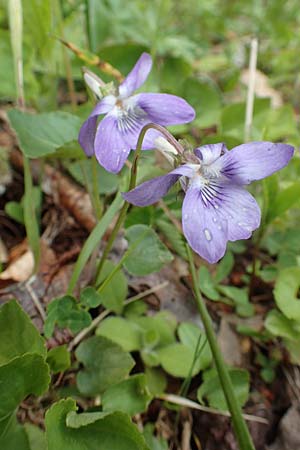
column 30, row 219
column 239, row 424
column 15, row 15
column 132, row 184
column 95, row 190
column 16, row 35
column 126, row 205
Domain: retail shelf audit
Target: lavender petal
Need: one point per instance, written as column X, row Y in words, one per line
column 206, row 234
column 210, row 152
column 254, row 161
column 87, row 134
column 111, row 148
column 165, row 109
column 87, row 131
column 151, row 191
column 137, row 76
column 239, row 208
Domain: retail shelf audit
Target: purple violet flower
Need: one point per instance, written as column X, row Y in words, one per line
column 112, row 139
column 216, row 207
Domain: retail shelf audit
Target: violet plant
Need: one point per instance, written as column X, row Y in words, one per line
column 216, row 207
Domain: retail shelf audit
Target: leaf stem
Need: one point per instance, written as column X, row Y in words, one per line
column 239, row 425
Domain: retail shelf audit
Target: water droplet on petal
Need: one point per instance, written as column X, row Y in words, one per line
column 214, row 220
column 219, row 227
column 216, row 207
column 245, row 209
column 207, row 234
column 185, row 216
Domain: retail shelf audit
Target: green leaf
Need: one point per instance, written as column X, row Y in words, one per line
column 233, row 119
column 139, row 216
column 279, row 325
column 7, row 85
column 89, row 297
column 149, row 255
column 22, row 376
column 130, row 396
column 177, row 360
column 224, row 267
column 293, row 348
column 158, row 330
column 17, row 333
column 211, row 388
column 194, row 338
column 36, row 437
column 66, row 313
column 207, row 285
column 240, row 297
column 280, row 123
column 153, row 442
column 42, row 134
column 15, row 437
column 205, row 97
column 115, row 292
column 15, row 211
column 107, row 182
column 121, row 331
column 285, row 292
column 37, row 23
column 59, row 359
column 65, row 430
column 174, row 237
column 284, row 201
column 156, row 380
column 170, row 66
column 105, row 362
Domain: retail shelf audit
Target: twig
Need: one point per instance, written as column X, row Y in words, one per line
column 77, row 339
column 251, row 86
column 35, row 299
column 181, row 401
column 186, row 435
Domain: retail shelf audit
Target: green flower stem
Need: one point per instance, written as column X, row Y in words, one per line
column 239, row 424
column 95, row 190
column 132, row 184
column 30, row 217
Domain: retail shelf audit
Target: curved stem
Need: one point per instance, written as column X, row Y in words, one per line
column 125, row 207
column 239, row 424
column 132, row 184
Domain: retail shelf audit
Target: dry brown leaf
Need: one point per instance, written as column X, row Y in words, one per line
column 3, row 252
column 229, row 344
column 20, row 269
column 262, row 87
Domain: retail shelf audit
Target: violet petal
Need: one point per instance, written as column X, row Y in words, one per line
column 110, row 147
column 165, row 109
column 137, row 76
column 210, row 152
column 87, row 131
column 151, row 191
column 254, row 161
column 205, row 234
column 239, row 208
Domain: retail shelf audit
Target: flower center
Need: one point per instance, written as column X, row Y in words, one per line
column 129, row 115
